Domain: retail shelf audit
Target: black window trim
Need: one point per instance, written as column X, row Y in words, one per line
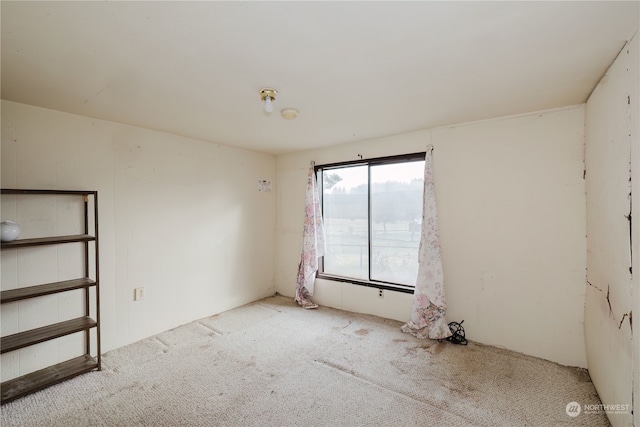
column 370, row 162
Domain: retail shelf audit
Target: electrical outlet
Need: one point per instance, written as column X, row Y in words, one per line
column 380, row 293
column 138, row 294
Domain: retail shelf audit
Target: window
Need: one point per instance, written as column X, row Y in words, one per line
column 372, row 211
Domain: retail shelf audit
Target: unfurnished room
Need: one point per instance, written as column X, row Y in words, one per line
column 323, row 213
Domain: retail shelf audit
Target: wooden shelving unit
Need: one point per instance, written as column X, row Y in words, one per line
column 34, row 381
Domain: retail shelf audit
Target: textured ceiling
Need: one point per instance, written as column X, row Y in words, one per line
column 355, row 70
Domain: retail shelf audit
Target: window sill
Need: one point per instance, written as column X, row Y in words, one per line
column 378, row 285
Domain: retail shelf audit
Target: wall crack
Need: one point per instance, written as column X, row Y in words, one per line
column 611, row 313
column 626, row 315
column 97, row 93
column 594, row 286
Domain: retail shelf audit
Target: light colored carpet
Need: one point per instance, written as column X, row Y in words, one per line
column 271, row 363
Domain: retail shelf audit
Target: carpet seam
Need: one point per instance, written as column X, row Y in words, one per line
column 368, row 381
column 211, row 328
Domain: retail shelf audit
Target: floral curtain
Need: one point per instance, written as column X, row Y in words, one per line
column 429, row 305
column 313, row 243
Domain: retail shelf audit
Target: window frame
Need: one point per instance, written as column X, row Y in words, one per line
column 387, row 160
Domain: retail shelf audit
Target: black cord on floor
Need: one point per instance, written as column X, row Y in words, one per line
column 457, row 333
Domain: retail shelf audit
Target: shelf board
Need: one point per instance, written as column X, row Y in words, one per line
column 45, row 333
column 18, row 294
column 39, row 241
column 54, row 192
column 18, row 387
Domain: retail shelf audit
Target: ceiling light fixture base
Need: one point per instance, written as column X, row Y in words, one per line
column 271, row 93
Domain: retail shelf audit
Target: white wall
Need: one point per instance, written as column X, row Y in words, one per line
column 611, row 132
column 634, row 110
column 634, row 92
column 511, row 201
column 180, row 217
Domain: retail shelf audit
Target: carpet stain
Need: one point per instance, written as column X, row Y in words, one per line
column 581, row 375
column 362, row 332
column 270, row 307
column 399, row 367
column 437, row 348
column 410, row 351
column 130, row 387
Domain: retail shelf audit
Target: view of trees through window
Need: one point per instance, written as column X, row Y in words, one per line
column 372, row 216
